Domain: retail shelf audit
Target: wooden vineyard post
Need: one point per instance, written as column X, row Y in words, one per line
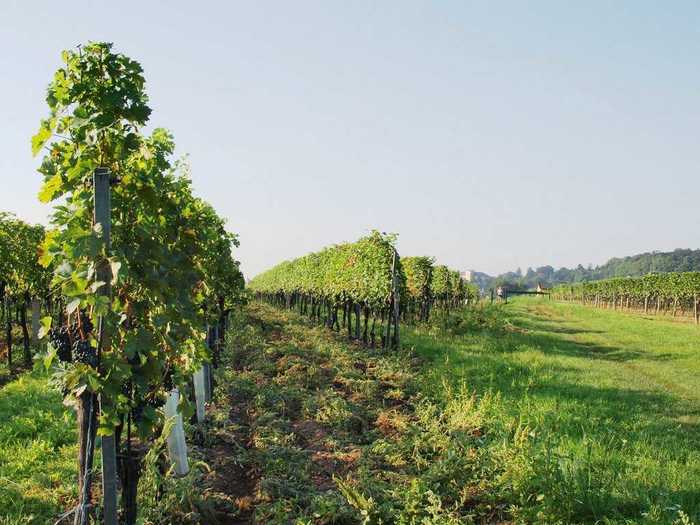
column 8, row 330
column 389, row 322
column 208, row 381
column 36, row 314
column 177, row 447
column 695, row 308
column 104, row 273
column 215, row 345
column 395, row 293
column 393, row 311
column 25, row 334
column 351, row 313
column 86, row 416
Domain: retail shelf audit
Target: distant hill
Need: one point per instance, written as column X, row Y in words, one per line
column 680, row 260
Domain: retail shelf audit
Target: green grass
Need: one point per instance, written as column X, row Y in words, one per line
column 534, row 412
column 609, row 401
column 37, row 452
column 315, row 414
column 537, row 413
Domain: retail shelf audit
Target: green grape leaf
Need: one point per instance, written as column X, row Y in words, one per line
column 45, row 326
column 40, row 139
column 50, row 188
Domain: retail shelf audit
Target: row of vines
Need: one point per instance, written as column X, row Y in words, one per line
column 675, row 293
column 364, row 287
column 24, row 284
column 430, row 286
column 141, row 267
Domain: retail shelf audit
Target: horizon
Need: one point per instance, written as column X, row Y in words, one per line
column 486, row 138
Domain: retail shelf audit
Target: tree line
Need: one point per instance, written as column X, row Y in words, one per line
column 680, row 260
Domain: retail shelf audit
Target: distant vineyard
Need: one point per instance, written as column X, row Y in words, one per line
column 24, row 283
column 673, row 293
column 430, row 286
column 365, row 280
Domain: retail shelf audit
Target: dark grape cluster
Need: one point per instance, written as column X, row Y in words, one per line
column 72, row 343
column 126, row 389
column 168, row 382
column 84, row 352
column 156, row 401
column 137, row 412
column 60, row 340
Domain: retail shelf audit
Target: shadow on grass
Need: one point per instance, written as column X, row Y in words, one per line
column 549, row 336
column 646, row 437
column 488, row 362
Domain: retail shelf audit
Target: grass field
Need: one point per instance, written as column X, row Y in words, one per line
column 610, row 402
column 534, row 412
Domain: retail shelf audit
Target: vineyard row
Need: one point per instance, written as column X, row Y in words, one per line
column 676, row 293
column 365, row 280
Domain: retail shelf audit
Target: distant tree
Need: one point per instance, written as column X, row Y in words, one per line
column 679, row 260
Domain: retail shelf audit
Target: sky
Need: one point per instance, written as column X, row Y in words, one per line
column 492, row 135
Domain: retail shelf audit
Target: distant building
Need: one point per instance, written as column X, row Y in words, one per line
column 467, row 276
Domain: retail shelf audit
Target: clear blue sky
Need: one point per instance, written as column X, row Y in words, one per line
column 491, row 135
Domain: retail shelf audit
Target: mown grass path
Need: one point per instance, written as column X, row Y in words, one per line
column 610, row 399
column 331, row 432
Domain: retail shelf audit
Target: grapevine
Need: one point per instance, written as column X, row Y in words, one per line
column 170, row 257
column 669, row 292
column 343, row 281
column 355, row 280
column 22, row 279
